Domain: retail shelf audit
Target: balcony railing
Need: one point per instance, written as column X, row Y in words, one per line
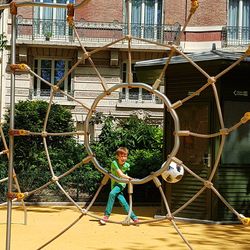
column 59, row 30
column 235, row 36
column 45, row 94
column 139, row 98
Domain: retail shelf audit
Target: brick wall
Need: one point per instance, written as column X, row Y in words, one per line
column 203, row 36
column 209, row 13
column 101, row 11
column 26, row 11
column 95, row 10
column 174, row 11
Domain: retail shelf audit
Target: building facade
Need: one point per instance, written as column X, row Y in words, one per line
column 48, row 45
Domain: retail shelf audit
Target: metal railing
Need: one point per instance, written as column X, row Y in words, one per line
column 45, row 93
column 139, row 98
column 235, row 36
column 48, row 29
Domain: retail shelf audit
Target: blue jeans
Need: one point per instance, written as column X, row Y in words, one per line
column 117, row 191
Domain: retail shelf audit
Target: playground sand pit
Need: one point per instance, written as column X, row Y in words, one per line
column 43, row 223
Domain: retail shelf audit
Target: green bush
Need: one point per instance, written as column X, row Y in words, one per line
column 144, row 162
column 3, row 41
column 30, row 161
column 144, row 141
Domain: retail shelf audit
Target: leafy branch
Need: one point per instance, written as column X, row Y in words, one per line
column 3, row 41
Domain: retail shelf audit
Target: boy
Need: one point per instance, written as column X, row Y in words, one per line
column 119, row 167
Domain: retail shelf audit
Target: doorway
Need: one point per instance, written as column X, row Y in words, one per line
column 194, row 152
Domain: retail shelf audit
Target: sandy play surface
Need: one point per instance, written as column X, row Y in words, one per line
column 46, row 222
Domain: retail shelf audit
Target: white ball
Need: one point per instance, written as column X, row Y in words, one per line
column 174, row 173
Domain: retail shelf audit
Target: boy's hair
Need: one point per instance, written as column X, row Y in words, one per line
column 121, row 150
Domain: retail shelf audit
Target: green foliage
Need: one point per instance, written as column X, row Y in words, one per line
column 133, row 133
column 3, row 173
column 90, row 178
column 3, row 41
column 31, row 164
column 30, row 161
column 144, row 162
column 145, row 142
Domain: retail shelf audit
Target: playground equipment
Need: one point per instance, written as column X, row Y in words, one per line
column 172, row 159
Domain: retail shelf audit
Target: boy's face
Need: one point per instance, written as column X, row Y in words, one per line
column 122, row 158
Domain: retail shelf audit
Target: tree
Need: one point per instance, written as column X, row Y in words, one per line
column 145, row 142
column 30, row 162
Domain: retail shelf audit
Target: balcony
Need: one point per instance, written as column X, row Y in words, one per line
column 234, row 36
column 35, row 30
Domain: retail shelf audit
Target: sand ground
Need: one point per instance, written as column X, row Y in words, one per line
column 46, row 222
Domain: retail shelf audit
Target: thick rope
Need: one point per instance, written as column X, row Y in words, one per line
column 171, row 108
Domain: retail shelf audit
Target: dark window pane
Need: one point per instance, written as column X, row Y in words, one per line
column 134, row 73
column 60, row 64
column 58, row 75
column 134, row 94
column 46, row 64
column 59, row 71
column 69, row 77
column 46, row 74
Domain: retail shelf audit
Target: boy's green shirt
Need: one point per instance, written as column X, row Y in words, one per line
column 114, row 166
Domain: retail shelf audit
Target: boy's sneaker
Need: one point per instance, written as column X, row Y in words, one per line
column 136, row 221
column 104, row 220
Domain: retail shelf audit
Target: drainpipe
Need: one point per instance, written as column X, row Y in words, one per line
column 240, row 20
column 185, row 10
column 185, row 18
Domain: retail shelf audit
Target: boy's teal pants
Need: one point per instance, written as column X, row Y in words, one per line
column 117, row 191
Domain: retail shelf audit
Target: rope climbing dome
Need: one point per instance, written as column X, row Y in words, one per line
column 106, row 91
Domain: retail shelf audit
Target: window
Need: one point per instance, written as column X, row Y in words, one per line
column 52, row 71
column 134, row 94
column 51, row 21
column 146, row 18
column 239, row 20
